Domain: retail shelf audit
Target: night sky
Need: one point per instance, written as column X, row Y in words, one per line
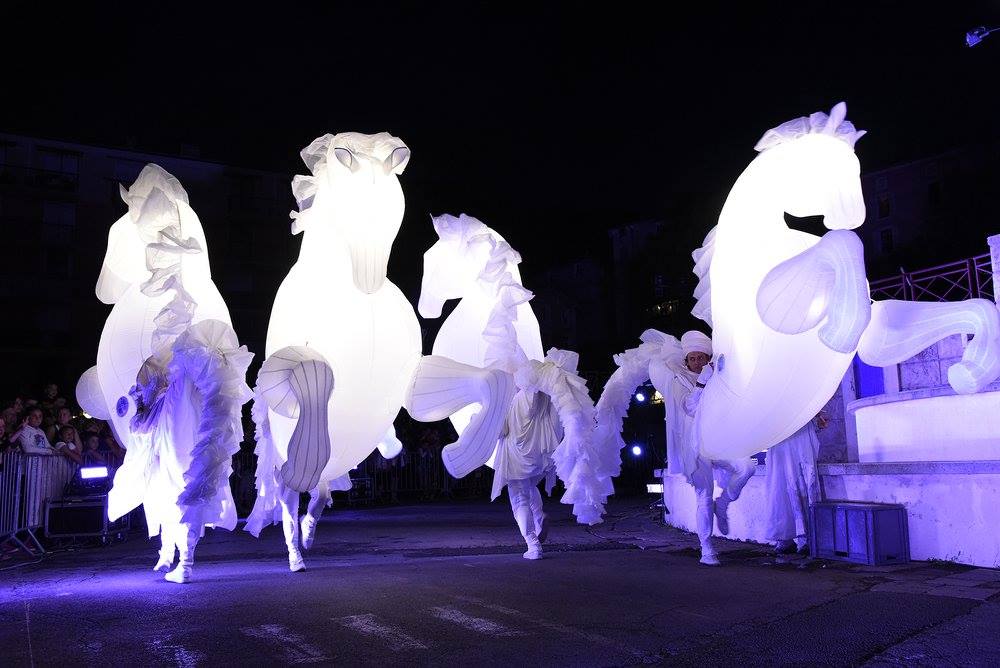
column 551, row 123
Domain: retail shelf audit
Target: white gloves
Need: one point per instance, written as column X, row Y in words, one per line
column 705, row 374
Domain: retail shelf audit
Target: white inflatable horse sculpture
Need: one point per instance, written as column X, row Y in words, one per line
column 343, row 344
column 471, row 262
column 789, row 310
column 493, row 326
column 170, row 333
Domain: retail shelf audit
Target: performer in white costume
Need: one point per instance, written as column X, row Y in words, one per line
column 185, row 431
column 548, row 433
column 690, row 375
column 791, row 485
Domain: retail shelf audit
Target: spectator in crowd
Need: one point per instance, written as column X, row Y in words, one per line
column 113, row 451
column 30, row 436
column 69, row 444
column 10, row 419
column 4, row 442
column 49, row 396
column 64, row 418
column 92, row 455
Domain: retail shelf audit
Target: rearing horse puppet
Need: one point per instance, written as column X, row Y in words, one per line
column 788, row 309
column 549, row 429
column 170, row 374
column 343, row 344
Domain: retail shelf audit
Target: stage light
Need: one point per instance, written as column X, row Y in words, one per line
column 93, row 472
column 640, row 397
column 636, row 450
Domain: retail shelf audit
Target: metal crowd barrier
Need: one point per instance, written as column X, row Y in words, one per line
column 27, row 483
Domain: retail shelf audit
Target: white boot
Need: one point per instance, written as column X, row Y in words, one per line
column 291, row 527
column 167, row 549
column 534, row 550
column 722, row 514
column 187, row 540
column 709, row 556
column 541, row 527
column 308, row 526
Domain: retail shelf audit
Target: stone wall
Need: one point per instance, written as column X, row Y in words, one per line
column 929, row 368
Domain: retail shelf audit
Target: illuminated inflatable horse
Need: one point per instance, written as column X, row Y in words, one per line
column 170, row 374
column 789, row 309
column 344, row 346
column 549, row 427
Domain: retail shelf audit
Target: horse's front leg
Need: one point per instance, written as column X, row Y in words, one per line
column 390, row 445
column 899, row 330
column 442, row 386
column 825, row 281
column 297, row 382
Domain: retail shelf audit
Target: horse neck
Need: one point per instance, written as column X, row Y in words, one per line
column 478, row 303
column 753, row 207
column 325, row 253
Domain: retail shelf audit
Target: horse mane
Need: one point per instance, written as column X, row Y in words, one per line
column 153, row 202
column 703, row 291
column 498, row 275
column 834, row 125
column 316, row 156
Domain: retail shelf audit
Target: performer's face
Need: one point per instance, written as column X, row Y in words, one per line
column 696, row 361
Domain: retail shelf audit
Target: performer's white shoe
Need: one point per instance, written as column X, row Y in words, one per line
column 180, row 575
column 295, row 562
column 164, row 564
column 534, row 550
column 709, row 558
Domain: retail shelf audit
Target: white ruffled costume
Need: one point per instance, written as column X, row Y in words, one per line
column 549, row 433
column 791, row 485
column 185, row 432
column 184, row 421
column 679, row 387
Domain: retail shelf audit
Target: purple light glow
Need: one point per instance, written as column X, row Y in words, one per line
column 91, row 472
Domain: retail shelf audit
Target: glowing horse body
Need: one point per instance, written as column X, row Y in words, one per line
column 344, row 345
column 473, row 263
column 549, row 426
column 170, row 374
column 153, row 303
column 790, row 309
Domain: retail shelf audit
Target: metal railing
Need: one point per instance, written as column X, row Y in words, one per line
column 955, row 281
column 27, row 483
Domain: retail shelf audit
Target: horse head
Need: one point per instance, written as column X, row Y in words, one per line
column 154, row 203
column 817, row 171
column 454, row 262
column 354, row 195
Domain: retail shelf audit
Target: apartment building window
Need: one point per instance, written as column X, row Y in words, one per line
column 884, row 205
column 58, row 221
column 886, row 241
column 934, row 196
column 64, row 162
column 7, row 149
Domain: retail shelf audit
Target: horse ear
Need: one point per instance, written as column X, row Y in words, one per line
column 837, row 116
column 396, row 162
column 347, row 159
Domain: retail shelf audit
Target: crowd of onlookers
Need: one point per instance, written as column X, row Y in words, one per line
column 53, row 425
